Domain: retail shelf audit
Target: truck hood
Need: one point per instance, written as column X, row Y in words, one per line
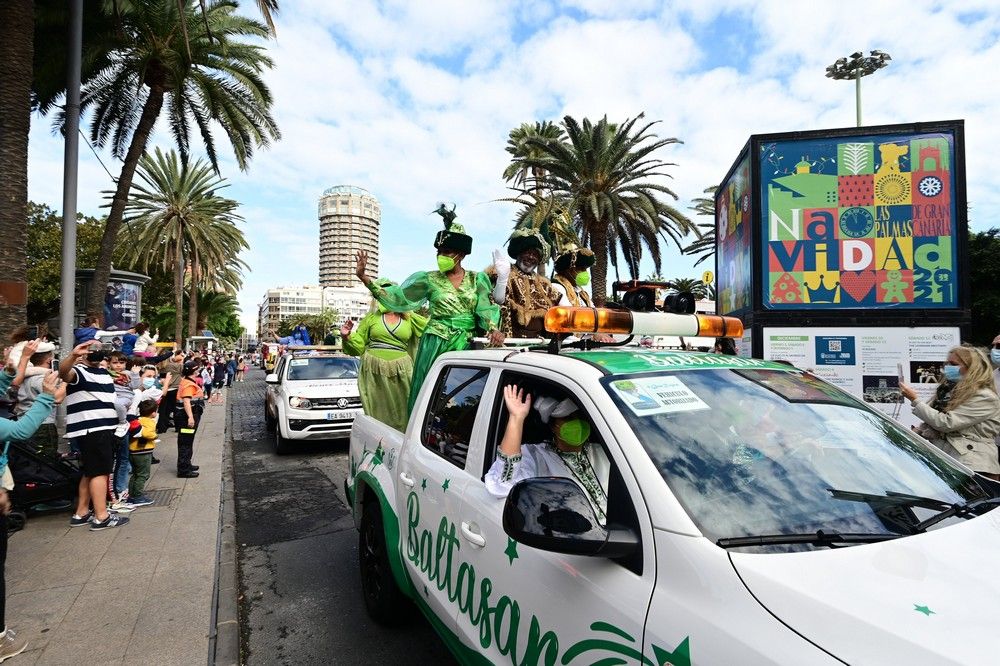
column 327, row 388
column 926, row 599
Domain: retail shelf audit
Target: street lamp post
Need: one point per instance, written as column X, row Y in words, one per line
column 856, row 66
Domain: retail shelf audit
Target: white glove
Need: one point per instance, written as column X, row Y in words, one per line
column 502, row 265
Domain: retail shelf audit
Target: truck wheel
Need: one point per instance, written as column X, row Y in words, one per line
column 281, row 445
column 384, row 601
column 269, row 422
column 16, row 521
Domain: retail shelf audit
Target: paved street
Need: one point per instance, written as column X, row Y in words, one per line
column 300, row 592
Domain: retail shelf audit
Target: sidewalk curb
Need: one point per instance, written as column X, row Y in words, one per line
column 224, row 643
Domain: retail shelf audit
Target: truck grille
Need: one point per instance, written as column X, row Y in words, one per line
column 353, row 402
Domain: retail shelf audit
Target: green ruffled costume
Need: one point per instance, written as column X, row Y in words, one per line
column 386, row 364
column 455, row 314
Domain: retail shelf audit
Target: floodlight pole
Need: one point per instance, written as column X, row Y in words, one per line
column 858, row 66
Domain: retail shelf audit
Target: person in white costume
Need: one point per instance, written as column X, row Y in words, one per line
column 570, row 455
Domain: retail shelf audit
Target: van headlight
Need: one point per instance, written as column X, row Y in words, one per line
column 299, row 403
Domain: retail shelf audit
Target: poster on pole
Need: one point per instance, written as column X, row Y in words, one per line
column 863, row 221
column 867, row 362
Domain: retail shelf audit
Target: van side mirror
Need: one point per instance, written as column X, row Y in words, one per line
column 271, row 378
column 555, row 514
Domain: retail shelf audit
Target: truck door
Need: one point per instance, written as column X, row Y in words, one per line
column 432, row 481
column 546, row 607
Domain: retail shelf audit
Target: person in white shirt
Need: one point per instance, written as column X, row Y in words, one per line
column 144, row 344
column 569, row 455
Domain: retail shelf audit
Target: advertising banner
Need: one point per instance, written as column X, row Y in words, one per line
column 121, row 305
column 867, row 362
column 865, row 221
column 733, row 229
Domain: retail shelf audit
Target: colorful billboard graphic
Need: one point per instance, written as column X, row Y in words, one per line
column 733, row 213
column 859, row 222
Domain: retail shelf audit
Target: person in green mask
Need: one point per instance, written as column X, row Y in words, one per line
column 386, row 342
column 572, row 275
column 458, row 299
column 570, row 454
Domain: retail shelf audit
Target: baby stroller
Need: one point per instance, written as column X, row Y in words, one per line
column 38, row 480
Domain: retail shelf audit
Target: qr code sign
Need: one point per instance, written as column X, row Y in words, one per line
column 835, row 345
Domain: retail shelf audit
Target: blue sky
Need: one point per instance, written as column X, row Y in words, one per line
column 413, row 101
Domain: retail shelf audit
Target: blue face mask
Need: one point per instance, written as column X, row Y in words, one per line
column 952, row 373
column 995, row 356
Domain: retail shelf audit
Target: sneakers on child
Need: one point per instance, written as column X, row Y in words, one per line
column 11, row 645
column 79, row 521
column 113, row 520
column 121, row 506
column 141, row 500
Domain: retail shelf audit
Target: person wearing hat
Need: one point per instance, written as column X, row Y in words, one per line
column 524, row 296
column 459, row 300
column 572, row 275
column 570, row 455
column 45, row 441
column 386, row 342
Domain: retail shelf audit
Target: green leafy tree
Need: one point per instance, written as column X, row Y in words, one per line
column 179, row 220
column 696, row 287
column 211, row 74
column 612, row 182
column 704, row 247
column 318, row 324
column 984, row 285
column 523, row 150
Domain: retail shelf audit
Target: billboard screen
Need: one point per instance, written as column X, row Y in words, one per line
column 866, row 221
column 733, row 214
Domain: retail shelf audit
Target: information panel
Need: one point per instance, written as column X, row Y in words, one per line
column 866, row 221
column 866, row 362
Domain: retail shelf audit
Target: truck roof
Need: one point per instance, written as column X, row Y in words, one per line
column 625, row 360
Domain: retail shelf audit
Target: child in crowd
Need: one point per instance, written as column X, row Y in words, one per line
column 140, row 451
column 125, row 385
column 145, row 344
column 206, row 378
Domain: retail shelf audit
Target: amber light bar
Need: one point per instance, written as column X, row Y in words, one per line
column 562, row 319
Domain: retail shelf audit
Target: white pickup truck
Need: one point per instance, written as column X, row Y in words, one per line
column 748, row 513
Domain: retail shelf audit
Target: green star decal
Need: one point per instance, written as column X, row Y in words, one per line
column 681, row 656
column 423, row 484
column 511, row 551
column 444, row 486
column 923, row 609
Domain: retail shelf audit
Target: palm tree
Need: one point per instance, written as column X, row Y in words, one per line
column 16, row 45
column 704, row 247
column 520, row 149
column 695, row 287
column 606, row 173
column 214, row 304
column 212, row 75
column 181, row 224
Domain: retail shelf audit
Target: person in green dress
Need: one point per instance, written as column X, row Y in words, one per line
column 459, row 300
column 385, row 341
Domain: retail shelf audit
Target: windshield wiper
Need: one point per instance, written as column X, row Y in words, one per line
column 890, row 498
column 817, row 538
column 960, row 510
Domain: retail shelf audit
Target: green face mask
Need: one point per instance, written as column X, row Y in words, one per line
column 574, row 432
column 582, row 279
column 445, row 263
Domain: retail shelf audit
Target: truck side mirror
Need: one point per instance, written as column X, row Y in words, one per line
column 555, row 514
column 271, row 378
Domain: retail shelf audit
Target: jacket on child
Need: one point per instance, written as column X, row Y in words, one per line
column 145, row 441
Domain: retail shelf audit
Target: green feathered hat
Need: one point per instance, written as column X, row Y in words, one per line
column 453, row 236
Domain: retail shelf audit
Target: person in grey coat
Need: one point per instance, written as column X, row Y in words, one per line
column 964, row 419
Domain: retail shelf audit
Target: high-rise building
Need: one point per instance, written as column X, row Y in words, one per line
column 349, row 219
column 286, row 302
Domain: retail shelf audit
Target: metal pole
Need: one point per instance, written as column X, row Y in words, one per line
column 67, row 305
column 857, row 92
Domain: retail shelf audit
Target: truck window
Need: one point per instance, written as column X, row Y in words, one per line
column 452, row 413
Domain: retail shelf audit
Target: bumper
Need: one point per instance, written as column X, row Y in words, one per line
column 304, row 424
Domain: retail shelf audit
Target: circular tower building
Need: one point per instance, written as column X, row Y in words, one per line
column 349, row 219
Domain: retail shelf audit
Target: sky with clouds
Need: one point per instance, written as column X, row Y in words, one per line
column 414, row 101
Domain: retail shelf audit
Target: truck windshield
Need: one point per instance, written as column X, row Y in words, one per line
column 751, row 452
column 322, row 367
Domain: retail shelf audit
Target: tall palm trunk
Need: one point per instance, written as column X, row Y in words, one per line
column 102, row 270
column 16, row 44
column 599, row 246
column 179, row 292
column 193, row 296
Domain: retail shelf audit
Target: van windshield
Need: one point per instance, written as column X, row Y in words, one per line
column 752, row 452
